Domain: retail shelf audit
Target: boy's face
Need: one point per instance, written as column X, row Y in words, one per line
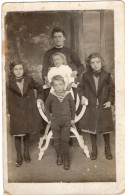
column 57, row 60
column 18, row 70
column 58, row 39
column 58, row 86
column 96, row 64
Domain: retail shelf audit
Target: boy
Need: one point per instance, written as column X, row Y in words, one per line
column 62, row 107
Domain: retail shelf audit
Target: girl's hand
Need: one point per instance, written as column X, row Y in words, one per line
column 74, row 74
column 41, row 103
column 68, row 88
column 49, row 122
column 107, row 104
column 84, row 101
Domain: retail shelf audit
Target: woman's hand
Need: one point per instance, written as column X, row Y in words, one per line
column 84, row 101
column 74, row 74
column 107, row 104
column 47, row 83
column 68, row 88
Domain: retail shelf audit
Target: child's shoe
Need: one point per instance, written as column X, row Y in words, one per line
column 27, row 157
column 108, row 153
column 59, row 160
column 66, row 163
column 93, row 155
column 19, row 160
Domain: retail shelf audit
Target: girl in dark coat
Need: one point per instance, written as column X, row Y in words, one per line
column 22, row 106
column 97, row 89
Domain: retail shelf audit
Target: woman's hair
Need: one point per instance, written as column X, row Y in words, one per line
column 57, row 78
column 62, row 56
column 94, row 55
column 14, row 63
column 56, row 30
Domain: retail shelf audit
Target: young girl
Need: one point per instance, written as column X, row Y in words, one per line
column 60, row 103
column 24, row 116
column 61, row 68
column 97, row 88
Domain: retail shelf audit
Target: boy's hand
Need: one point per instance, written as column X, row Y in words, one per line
column 84, row 101
column 107, row 104
column 49, row 122
column 41, row 103
column 74, row 74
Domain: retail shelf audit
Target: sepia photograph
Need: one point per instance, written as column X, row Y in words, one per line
column 60, row 95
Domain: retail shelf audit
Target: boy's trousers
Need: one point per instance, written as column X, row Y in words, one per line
column 61, row 134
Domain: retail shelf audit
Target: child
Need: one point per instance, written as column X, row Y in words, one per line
column 60, row 103
column 97, row 88
column 24, row 116
column 61, row 68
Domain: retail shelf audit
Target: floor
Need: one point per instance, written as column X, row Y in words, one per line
column 82, row 168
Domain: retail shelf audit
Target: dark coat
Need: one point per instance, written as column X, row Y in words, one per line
column 66, row 108
column 24, row 115
column 97, row 119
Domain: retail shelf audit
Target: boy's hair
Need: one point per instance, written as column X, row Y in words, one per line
column 14, row 63
column 57, row 78
column 94, row 55
column 62, row 56
column 56, row 30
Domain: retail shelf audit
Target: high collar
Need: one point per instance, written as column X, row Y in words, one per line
column 59, row 47
column 14, row 87
column 19, row 79
column 96, row 73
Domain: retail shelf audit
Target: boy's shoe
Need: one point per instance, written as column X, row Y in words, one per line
column 59, row 160
column 66, row 163
column 108, row 153
column 19, row 160
column 27, row 157
column 93, row 155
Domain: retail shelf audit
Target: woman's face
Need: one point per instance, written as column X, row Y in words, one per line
column 58, row 39
column 18, row 70
column 57, row 60
column 95, row 64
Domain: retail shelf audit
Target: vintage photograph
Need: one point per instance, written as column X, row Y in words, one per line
column 61, row 92
column 57, row 63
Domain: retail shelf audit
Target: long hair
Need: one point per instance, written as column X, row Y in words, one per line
column 62, row 56
column 94, row 55
column 13, row 64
